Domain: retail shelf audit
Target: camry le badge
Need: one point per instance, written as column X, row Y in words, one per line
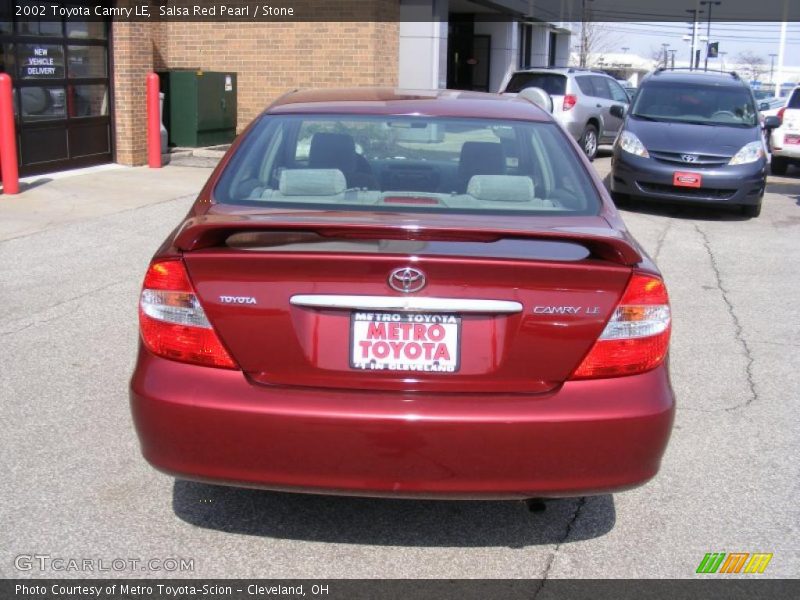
column 407, row 280
column 566, row 310
column 690, row 158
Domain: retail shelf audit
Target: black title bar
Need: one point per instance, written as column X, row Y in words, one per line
column 558, row 11
column 737, row 587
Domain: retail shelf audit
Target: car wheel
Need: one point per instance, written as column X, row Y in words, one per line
column 779, row 166
column 751, row 210
column 589, row 141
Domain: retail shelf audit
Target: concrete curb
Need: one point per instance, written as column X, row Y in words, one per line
column 186, row 155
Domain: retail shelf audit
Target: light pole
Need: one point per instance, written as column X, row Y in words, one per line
column 722, row 60
column 694, row 12
column 666, row 62
column 711, row 4
column 672, row 52
column 771, row 66
column 782, row 50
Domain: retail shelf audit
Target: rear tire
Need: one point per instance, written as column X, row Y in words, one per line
column 752, row 210
column 779, row 166
column 589, row 141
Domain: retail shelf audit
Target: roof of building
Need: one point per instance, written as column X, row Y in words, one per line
column 393, row 101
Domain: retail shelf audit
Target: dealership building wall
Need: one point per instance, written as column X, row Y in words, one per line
column 460, row 44
column 268, row 58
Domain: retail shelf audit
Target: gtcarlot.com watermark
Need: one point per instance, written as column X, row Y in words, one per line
column 71, row 564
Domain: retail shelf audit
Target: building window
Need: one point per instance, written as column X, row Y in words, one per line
column 87, row 30
column 86, row 61
column 43, row 103
column 551, row 49
column 87, row 100
column 41, row 61
column 49, row 28
column 525, row 45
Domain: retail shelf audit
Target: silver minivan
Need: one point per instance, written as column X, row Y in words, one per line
column 582, row 101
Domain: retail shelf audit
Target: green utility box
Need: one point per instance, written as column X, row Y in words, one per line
column 199, row 107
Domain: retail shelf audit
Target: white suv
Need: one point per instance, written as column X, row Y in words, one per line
column 785, row 140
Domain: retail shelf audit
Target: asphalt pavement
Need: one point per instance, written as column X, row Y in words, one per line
column 73, row 252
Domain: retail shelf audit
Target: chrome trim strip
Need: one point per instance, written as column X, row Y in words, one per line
column 406, row 303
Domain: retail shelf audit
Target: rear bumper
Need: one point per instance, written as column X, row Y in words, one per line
column 650, row 178
column 589, row 437
column 781, row 149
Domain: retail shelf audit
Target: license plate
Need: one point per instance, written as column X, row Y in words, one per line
column 421, row 342
column 684, row 179
column 791, row 139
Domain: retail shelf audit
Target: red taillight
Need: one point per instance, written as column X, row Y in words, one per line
column 569, row 101
column 172, row 321
column 636, row 337
column 780, row 114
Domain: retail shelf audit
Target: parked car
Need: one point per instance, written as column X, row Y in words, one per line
column 582, row 102
column 762, row 95
column 785, row 139
column 693, row 137
column 629, row 89
column 771, row 106
column 768, row 107
column 455, row 311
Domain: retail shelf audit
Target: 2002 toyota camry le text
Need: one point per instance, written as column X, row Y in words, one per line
column 409, row 294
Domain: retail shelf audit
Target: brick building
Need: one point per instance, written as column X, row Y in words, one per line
column 80, row 85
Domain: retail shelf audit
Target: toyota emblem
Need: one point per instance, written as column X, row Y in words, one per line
column 407, row 280
column 690, row 158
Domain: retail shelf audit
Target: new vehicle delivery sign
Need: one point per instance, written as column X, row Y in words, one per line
column 405, row 342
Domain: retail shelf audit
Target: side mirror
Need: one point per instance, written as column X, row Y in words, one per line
column 617, row 111
column 771, row 122
column 763, row 106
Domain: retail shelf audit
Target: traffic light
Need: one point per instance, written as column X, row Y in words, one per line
column 713, row 50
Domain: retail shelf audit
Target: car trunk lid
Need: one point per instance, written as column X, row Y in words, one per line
column 310, row 301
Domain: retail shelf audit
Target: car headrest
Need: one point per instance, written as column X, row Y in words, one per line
column 481, row 158
column 501, row 188
column 333, row 151
column 312, row 182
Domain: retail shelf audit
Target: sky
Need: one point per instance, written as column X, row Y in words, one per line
column 761, row 38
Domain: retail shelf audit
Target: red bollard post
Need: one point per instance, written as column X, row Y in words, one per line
column 153, row 123
column 8, row 138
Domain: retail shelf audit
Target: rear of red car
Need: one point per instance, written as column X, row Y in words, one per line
column 396, row 337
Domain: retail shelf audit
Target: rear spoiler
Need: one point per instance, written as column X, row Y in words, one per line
column 209, row 231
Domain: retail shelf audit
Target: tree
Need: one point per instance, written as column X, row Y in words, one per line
column 659, row 56
column 594, row 40
column 755, row 64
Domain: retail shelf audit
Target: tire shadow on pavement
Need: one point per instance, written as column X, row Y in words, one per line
column 690, row 212
column 786, row 188
column 390, row 522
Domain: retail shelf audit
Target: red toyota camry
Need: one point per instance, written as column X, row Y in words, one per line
column 413, row 294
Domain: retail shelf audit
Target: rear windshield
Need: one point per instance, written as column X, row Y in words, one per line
column 794, row 101
column 552, row 83
column 696, row 103
column 409, row 164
